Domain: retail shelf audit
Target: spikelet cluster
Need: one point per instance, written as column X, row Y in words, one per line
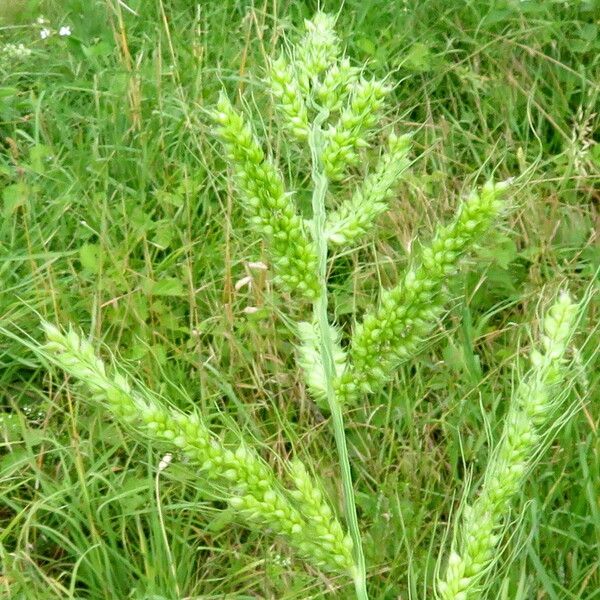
column 311, row 79
column 270, row 208
column 334, row 543
column 247, row 483
column 355, row 217
column 329, row 82
column 345, row 138
column 336, row 84
column 407, row 312
column 317, row 51
column 288, row 96
column 523, row 428
column 310, row 359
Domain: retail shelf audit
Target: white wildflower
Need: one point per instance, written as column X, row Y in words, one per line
column 243, row 282
column 16, row 51
column 64, row 31
column 165, row 461
column 45, row 33
column 258, row 266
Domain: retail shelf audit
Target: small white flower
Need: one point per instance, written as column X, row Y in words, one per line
column 45, row 33
column 242, row 282
column 165, row 461
column 259, row 266
column 250, row 310
column 41, row 20
column 64, row 31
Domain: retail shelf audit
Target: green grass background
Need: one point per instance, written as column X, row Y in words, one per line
column 116, row 215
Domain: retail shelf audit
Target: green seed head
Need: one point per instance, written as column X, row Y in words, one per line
column 247, row 483
column 408, row 312
column 270, row 209
column 522, row 435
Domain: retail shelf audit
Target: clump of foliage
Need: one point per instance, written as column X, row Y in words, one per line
column 332, row 110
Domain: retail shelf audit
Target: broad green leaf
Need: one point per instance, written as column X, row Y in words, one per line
column 89, row 257
column 165, row 287
column 14, row 196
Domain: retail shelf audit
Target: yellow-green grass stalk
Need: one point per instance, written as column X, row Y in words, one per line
column 241, row 477
column 536, row 398
column 392, row 332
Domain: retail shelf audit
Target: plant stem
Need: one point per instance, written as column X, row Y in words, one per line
column 326, row 348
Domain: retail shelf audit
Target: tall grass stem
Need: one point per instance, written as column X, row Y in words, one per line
column 326, row 348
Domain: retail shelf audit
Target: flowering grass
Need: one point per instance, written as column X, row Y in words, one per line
column 117, row 216
column 537, row 398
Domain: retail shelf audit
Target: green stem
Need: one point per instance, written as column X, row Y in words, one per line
column 326, row 348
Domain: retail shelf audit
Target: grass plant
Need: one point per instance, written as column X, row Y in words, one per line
column 120, row 215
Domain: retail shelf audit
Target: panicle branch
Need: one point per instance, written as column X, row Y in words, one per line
column 391, row 333
column 355, row 217
column 335, row 544
column 336, row 84
column 270, row 208
column 318, row 49
column 290, row 102
column 309, row 358
column 535, row 398
column 350, row 133
column 246, row 482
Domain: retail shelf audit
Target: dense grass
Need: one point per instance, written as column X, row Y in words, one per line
column 117, row 216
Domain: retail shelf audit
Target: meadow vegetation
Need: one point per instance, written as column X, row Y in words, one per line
column 121, row 218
